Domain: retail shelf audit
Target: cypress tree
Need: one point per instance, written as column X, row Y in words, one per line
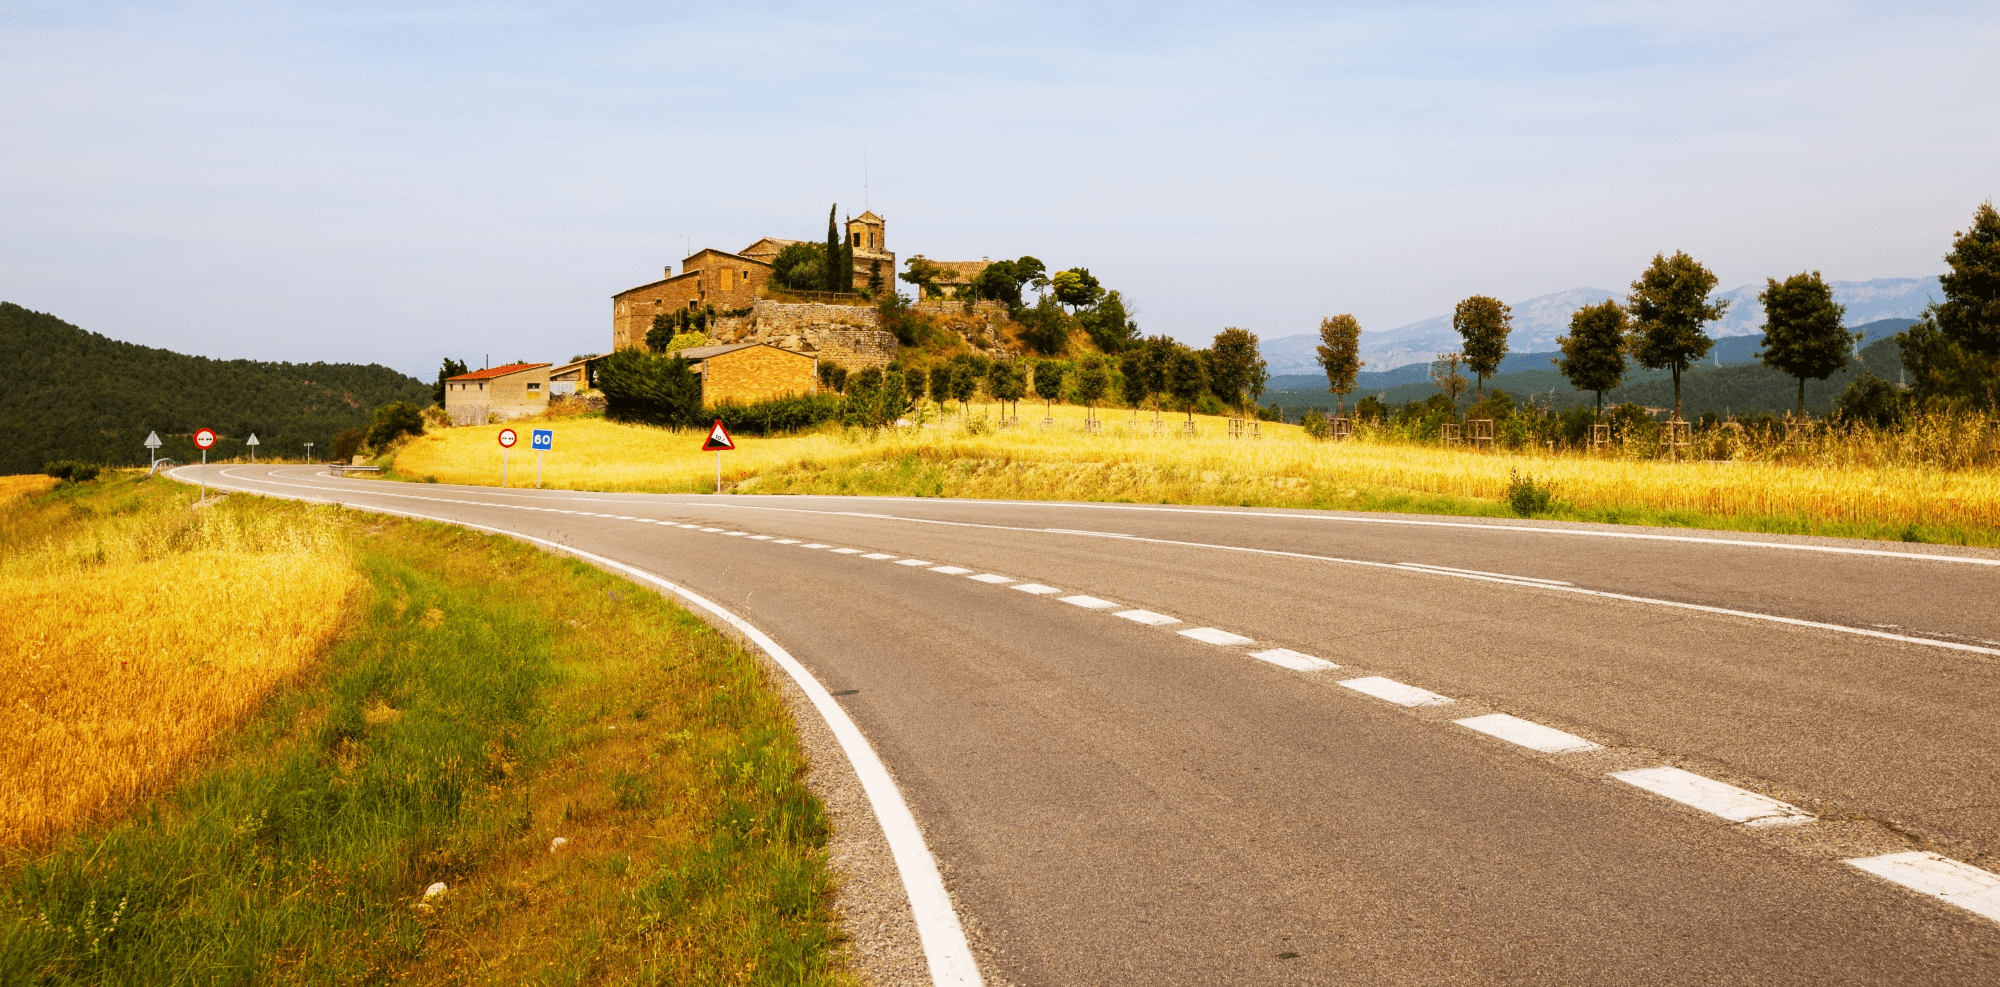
column 830, row 273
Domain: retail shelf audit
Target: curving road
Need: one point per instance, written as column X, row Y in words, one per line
column 1691, row 757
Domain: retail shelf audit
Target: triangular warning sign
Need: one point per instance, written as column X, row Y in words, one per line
column 718, row 439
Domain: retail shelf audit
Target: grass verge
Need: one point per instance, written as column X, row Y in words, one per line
column 482, row 700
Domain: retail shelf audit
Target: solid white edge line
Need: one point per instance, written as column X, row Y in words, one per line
column 1950, row 881
column 945, row 947
column 1482, row 572
column 1578, row 590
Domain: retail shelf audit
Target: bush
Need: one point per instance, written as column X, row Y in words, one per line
column 794, row 413
column 832, row 376
column 1527, row 497
column 1271, row 413
column 393, row 421
column 650, row 389
column 72, row 470
column 1316, row 424
column 347, row 442
column 1872, row 400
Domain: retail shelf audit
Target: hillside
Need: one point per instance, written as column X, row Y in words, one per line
column 1739, row 385
column 80, row 395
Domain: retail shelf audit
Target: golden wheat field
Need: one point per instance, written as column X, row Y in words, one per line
column 23, row 485
column 1127, row 460
column 135, row 634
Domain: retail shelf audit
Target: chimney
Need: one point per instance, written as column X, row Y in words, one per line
column 669, row 271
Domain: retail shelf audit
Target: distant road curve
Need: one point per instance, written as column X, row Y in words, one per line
column 1204, row 745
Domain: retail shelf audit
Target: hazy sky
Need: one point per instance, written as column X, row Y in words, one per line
column 398, row 182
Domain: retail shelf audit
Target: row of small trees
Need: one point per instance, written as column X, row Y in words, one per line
column 1953, row 352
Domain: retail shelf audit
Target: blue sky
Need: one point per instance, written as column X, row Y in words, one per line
column 400, row 182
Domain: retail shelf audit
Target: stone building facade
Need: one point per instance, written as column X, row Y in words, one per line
column 512, row 391
column 850, row 335
column 745, row 373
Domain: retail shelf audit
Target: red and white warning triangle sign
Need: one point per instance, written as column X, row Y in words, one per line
column 718, row 439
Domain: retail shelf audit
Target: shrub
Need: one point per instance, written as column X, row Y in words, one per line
column 1527, row 497
column 832, row 376
column 650, row 389
column 1315, row 424
column 393, row 421
column 72, row 470
column 792, row 413
column 347, row 442
column 1871, row 400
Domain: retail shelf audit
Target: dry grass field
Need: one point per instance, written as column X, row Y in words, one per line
column 1838, row 491
column 134, row 635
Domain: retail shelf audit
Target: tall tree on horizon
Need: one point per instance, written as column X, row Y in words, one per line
column 1234, row 366
column 837, row 264
column 1186, row 376
column 1803, row 335
column 1594, row 351
column 1670, row 310
column 1969, row 316
column 1340, row 355
column 1483, row 322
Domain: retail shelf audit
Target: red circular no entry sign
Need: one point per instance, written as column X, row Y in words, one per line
column 508, row 438
column 204, row 438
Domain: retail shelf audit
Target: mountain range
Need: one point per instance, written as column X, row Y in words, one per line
column 1540, row 320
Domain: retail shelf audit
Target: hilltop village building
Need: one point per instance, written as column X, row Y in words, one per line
column 732, row 282
column 512, row 391
column 745, row 373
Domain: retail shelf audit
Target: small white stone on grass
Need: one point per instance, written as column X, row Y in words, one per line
column 557, row 844
column 434, row 890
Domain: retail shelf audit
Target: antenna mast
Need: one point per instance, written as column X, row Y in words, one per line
column 865, row 204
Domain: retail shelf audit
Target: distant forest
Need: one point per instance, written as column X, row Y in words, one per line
column 80, row 395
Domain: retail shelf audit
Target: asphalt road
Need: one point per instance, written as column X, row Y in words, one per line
column 1119, row 802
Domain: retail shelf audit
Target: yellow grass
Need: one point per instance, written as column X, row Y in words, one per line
column 1285, row 468
column 23, row 484
column 132, row 638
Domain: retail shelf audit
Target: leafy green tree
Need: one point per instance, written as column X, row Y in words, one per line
column 1142, row 373
column 1093, row 379
column 1670, row 308
column 1186, row 375
column 940, row 384
column 347, row 443
column 650, row 388
column 1803, row 335
column 1235, row 368
column 1107, row 323
column 1483, row 322
column 965, row 378
column 875, row 277
column 1076, row 288
column 1045, row 327
column 837, row 262
column 1007, row 383
column 1340, row 356
column 799, row 267
column 832, row 376
column 1941, row 372
column 925, row 275
column 1594, row 351
column 1969, row 317
column 451, row 368
column 1049, row 376
column 1446, row 374
column 393, row 421
column 1870, row 399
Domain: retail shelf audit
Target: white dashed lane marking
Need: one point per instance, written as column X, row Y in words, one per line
column 786, row 541
column 1526, row 733
column 951, row 570
column 911, row 562
column 1147, row 617
column 1210, row 635
column 1089, row 602
column 815, row 545
column 1037, row 589
column 711, row 529
column 1395, row 692
column 736, row 534
column 1943, row 878
column 991, row 578
column 847, row 551
column 1714, row 797
column 760, row 537
column 1293, row 660
column 878, row 555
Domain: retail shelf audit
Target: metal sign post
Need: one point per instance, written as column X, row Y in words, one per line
column 718, row 442
column 309, row 453
column 253, row 444
column 204, row 439
column 541, row 440
column 153, row 444
column 507, row 440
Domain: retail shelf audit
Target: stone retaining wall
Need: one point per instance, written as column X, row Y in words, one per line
column 850, row 335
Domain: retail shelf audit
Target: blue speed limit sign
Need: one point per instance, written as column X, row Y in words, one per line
column 543, row 438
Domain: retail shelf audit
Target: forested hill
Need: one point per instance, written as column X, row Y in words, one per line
column 79, row 395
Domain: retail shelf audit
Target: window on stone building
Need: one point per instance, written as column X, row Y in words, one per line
column 534, row 386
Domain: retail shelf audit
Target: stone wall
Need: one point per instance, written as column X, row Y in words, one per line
column 750, row 375
column 850, row 335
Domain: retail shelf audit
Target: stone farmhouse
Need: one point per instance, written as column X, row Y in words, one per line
column 513, row 391
column 745, row 373
column 734, row 282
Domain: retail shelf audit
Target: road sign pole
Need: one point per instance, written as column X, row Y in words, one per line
column 718, row 472
column 538, row 469
column 503, row 466
column 204, row 475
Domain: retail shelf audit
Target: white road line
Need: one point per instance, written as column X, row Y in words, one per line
column 1293, row 660
column 1395, row 692
column 878, row 555
column 1943, row 878
column 621, row 517
column 951, row 570
column 815, row 545
column 1210, row 635
column 1147, row 617
column 991, row 578
column 911, row 562
column 1714, row 797
column 1482, row 572
column 1527, row 733
column 1093, row 534
column 786, row 541
column 1089, row 602
column 760, row 537
column 690, row 527
column 735, row 534
column 847, row 551
column 711, row 529
column 1036, row 588
column 946, row 951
